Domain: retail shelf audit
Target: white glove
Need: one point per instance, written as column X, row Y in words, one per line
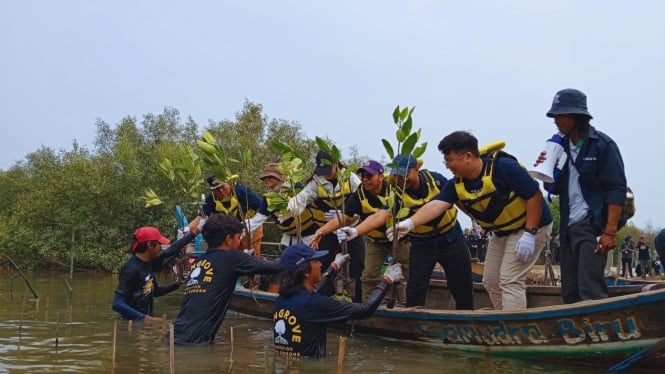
column 525, row 247
column 402, row 228
column 332, row 214
column 346, row 233
column 182, row 232
column 249, row 251
column 394, row 272
column 340, row 259
column 201, row 223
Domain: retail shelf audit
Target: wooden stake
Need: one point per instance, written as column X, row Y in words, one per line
column 24, row 278
column 171, row 348
column 115, row 333
column 231, row 337
column 57, row 332
column 163, row 326
column 130, row 325
column 340, row 358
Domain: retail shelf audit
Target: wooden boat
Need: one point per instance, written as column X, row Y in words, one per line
column 601, row 331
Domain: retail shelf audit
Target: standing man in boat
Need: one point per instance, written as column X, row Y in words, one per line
column 365, row 202
column 592, row 187
column 212, row 279
column 439, row 240
column 644, row 256
column 239, row 202
column 301, row 312
column 325, row 195
column 499, row 194
column 137, row 286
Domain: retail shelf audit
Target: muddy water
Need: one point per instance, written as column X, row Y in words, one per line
column 59, row 334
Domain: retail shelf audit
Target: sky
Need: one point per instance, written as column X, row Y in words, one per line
column 339, row 69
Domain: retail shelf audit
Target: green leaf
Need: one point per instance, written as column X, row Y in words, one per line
column 409, row 144
column 208, row 137
column 323, row 145
column 420, row 150
column 401, row 136
column 281, row 147
column 388, row 148
column 402, row 213
column 404, row 113
column 407, row 125
column 396, row 114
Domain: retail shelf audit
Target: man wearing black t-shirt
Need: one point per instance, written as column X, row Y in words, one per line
column 212, row 279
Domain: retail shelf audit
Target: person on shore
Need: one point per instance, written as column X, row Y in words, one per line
column 365, row 202
column 302, row 313
column 440, row 240
column 627, row 249
column 212, row 279
column 239, row 202
column 592, row 189
column 644, row 256
column 499, row 194
column 137, row 286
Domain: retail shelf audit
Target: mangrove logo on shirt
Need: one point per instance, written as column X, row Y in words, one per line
column 201, row 274
column 287, row 333
column 147, row 284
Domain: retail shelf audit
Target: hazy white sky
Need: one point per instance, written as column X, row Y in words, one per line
column 339, row 68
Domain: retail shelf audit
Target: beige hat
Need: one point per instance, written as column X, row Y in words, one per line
column 271, row 170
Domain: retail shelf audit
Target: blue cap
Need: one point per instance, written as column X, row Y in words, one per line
column 402, row 164
column 298, row 253
column 569, row 101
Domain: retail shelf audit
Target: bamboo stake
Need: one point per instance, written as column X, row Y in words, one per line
column 163, row 326
column 231, row 338
column 340, row 358
column 115, row 334
column 70, row 290
column 230, row 369
column 130, row 325
column 57, row 332
column 24, row 278
column 172, row 348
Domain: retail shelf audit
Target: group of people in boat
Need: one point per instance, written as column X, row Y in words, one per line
column 359, row 213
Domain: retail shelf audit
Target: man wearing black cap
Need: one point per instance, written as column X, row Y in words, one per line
column 325, row 196
column 592, row 187
column 364, row 203
column 239, row 202
column 627, row 249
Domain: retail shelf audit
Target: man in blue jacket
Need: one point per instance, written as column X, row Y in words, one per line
column 592, row 187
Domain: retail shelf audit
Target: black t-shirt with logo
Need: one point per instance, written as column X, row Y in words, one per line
column 210, row 286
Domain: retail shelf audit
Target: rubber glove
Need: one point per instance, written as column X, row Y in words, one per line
column 525, row 247
column 394, row 273
column 346, row 233
column 249, row 251
column 340, row 259
column 332, row 214
column 402, row 228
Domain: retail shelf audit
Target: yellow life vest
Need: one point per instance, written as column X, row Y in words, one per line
column 438, row 225
column 494, row 210
column 289, row 226
column 377, row 235
column 322, row 203
column 231, row 207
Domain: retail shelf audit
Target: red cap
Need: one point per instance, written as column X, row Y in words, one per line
column 146, row 234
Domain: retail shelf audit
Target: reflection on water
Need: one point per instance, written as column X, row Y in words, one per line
column 62, row 335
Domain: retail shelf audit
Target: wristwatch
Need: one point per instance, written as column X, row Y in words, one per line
column 532, row 230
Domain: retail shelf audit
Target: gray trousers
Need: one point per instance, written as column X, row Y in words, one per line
column 582, row 270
